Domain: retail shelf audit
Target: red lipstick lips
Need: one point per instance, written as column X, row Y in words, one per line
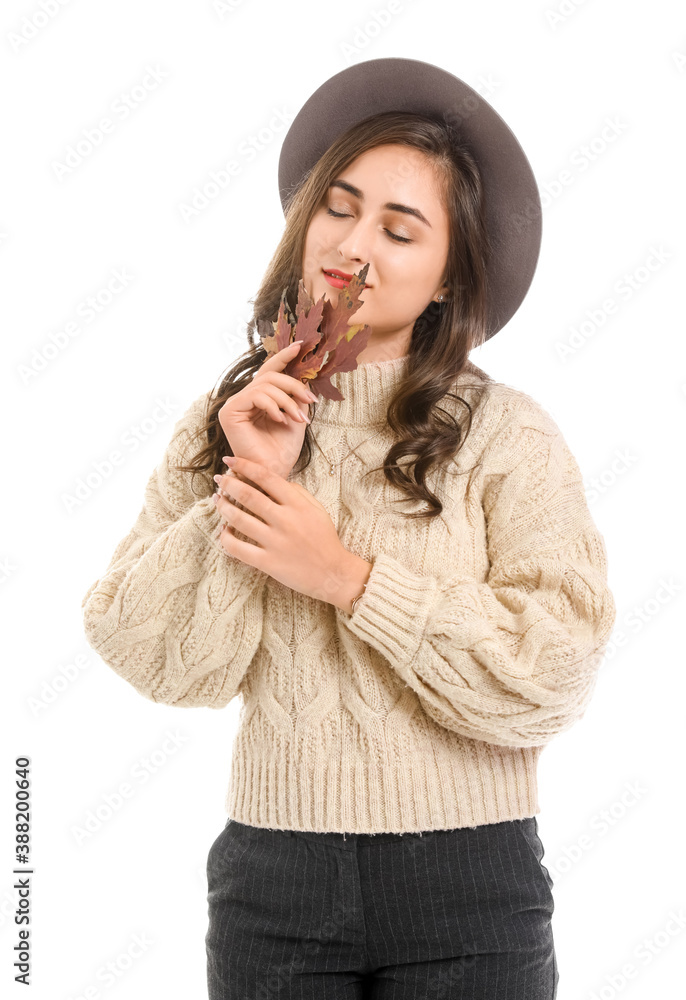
column 337, row 278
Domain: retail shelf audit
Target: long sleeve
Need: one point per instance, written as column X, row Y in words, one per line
column 513, row 660
column 174, row 615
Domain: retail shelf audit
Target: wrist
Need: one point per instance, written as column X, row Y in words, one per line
column 355, row 580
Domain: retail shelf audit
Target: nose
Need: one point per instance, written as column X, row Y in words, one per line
column 356, row 244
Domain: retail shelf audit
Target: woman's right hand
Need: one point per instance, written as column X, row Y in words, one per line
column 251, row 419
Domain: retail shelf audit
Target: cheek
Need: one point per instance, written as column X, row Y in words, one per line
column 314, row 243
column 414, row 280
column 319, row 240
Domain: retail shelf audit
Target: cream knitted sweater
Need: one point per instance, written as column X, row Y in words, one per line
column 478, row 638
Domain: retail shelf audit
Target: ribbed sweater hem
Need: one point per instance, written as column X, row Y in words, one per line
column 424, row 792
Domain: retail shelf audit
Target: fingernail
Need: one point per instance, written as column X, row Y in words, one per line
column 217, row 478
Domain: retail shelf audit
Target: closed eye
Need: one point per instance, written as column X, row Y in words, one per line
column 394, row 236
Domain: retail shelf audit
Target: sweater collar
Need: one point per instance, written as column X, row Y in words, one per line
column 367, row 392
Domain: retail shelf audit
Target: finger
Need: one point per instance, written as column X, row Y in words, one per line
column 248, row 495
column 241, row 521
column 281, row 400
column 270, row 406
column 224, row 534
column 291, row 386
column 238, row 549
column 274, row 485
column 278, row 361
column 290, row 405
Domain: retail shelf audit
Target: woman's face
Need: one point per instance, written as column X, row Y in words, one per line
column 390, row 215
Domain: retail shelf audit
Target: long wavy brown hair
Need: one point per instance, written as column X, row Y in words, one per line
column 443, row 335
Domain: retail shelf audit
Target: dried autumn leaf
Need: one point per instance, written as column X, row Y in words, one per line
column 329, row 345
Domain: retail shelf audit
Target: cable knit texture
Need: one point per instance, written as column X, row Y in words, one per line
column 477, row 640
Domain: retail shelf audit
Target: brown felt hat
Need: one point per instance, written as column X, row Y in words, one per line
column 512, row 200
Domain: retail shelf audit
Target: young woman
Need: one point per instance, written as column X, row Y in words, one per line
column 406, row 586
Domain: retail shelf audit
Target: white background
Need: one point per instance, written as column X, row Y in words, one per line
column 557, row 72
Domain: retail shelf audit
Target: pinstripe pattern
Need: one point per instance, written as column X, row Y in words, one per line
column 440, row 915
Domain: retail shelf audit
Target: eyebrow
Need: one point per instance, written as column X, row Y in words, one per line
column 392, row 206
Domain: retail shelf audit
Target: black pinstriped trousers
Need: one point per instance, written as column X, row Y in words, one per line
column 460, row 914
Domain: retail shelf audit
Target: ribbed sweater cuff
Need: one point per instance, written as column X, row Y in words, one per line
column 394, row 610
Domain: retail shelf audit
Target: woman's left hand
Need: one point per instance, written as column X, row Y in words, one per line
column 297, row 544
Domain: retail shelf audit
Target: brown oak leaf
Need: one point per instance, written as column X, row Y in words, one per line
column 329, row 344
